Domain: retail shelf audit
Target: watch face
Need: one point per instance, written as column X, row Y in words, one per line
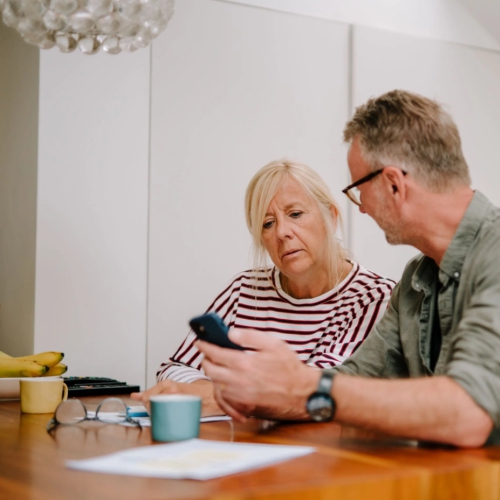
column 320, row 407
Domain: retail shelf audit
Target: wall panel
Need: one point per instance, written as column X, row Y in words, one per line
column 233, row 88
column 92, row 212
column 471, row 22
column 19, row 67
column 464, row 79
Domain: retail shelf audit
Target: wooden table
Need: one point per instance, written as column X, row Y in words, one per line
column 349, row 464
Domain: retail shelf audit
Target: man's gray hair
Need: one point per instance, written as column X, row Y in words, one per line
column 411, row 131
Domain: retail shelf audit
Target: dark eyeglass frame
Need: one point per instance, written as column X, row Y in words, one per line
column 54, row 423
column 366, row 178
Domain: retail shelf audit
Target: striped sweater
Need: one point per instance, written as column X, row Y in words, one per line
column 323, row 331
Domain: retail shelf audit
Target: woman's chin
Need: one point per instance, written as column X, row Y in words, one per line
column 295, row 272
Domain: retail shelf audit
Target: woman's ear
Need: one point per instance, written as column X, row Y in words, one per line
column 335, row 216
column 334, row 212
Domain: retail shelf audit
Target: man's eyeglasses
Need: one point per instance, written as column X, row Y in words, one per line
column 352, row 191
column 73, row 411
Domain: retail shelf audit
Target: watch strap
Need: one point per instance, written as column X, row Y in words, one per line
column 326, row 381
column 321, row 405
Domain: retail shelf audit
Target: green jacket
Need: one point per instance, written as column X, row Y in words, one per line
column 469, row 313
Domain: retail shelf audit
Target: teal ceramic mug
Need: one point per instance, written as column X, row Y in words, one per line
column 175, row 417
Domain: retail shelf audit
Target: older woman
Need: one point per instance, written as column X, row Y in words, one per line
column 315, row 298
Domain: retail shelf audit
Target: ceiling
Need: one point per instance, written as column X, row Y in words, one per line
column 486, row 12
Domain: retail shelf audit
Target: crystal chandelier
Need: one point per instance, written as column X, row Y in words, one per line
column 114, row 25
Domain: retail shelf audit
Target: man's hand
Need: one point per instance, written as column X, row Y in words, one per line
column 202, row 388
column 269, row 382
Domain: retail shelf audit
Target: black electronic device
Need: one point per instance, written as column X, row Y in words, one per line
column 97, row 386
column 211, row 328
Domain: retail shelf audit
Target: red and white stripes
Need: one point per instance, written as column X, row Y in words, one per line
column 323, row 331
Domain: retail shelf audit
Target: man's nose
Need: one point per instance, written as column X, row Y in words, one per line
column 362, row 209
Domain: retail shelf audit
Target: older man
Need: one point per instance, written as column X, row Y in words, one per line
column 430, row 370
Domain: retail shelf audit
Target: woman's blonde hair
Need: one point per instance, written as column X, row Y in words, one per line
column 262, row 189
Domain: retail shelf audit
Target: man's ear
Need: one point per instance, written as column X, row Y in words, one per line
column 395, row 182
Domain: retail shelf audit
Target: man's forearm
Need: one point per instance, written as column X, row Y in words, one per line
column 273, row 382
column 433, row 409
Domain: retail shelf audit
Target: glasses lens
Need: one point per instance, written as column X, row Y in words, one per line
column 354, row 195
column 71, row 411
column 357, row 195
column 112, row 410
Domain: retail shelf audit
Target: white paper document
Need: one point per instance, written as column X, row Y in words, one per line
column 194, row 459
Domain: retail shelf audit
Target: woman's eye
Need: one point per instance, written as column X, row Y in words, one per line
column 267, row 224
column 295, row 215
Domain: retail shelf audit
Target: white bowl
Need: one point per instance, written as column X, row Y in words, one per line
column 9, row 388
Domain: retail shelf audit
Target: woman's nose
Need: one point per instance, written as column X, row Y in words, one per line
column 283, row 229
column 362, row 209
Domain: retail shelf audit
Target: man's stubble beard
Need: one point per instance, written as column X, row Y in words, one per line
column 386, row 220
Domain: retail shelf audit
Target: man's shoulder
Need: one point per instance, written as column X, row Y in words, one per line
column 486, row 244
column 488, row 215
column 486, row 248
column 491, row 224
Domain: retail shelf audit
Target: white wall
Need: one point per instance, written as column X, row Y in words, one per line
column 464, row 79
column 232, row 89
column 469, row 22
column 19, row 65
column 93, row 174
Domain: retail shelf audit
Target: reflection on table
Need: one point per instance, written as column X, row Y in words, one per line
column 348, row 463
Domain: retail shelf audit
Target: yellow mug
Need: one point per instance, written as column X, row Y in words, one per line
column 42, row 395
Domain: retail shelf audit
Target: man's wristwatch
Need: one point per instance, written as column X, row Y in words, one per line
column 320, row 405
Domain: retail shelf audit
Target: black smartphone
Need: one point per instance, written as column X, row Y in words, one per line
column 210, row 328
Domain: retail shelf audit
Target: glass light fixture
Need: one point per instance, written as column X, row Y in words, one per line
column 114, row 25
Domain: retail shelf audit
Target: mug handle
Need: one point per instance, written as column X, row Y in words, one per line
column 65, row 392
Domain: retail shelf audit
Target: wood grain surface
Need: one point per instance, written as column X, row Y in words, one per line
column 348, row 464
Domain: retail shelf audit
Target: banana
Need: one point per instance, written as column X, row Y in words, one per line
column 12, row 367
column 59, row 369
column 49, row 358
